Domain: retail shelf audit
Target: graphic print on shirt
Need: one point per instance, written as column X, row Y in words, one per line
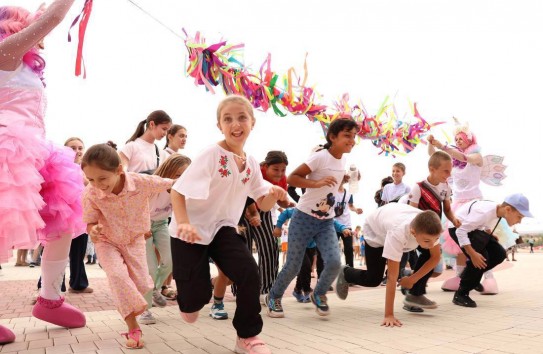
column 324, row 206
column 247, row 176
column 223, row 170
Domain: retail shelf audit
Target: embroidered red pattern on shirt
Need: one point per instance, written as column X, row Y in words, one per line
column 247, row 176
column 223, row 170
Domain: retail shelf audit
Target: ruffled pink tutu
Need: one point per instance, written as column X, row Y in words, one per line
column 40, row 188
column 448, row 245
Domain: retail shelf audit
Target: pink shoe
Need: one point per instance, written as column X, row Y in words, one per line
column 490, row 287
column 190, row 317
column 58, row 312
column 451, row 284
column 252, row 345
column 6, row 335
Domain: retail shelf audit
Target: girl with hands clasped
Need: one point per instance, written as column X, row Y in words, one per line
column 208, row 201
column 313, row 217
column 116, row 210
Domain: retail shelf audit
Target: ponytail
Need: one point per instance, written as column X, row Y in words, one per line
column 157, row 117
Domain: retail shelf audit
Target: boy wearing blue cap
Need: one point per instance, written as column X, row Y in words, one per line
column 479, row 220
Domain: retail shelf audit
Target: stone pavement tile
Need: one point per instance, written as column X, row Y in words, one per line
column 81, row 338
column 110, row 351
column 83, row 347
column 42, row 343
column 32, row 351
column 58, row 341
column 179, row 345
column 14, row 347
column 60, row 349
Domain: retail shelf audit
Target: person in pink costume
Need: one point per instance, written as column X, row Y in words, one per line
column 466, row 177
column 40, row 185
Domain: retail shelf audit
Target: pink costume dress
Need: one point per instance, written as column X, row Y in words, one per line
column 40, row 185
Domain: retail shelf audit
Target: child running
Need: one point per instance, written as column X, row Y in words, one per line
column 313, row 217
column 158, row 238
column 208, row 201
column 116, row 210
column 389, row 231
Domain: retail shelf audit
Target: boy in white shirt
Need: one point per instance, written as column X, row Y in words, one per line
column 389, row 232
column 392, row 192
column 479, row 220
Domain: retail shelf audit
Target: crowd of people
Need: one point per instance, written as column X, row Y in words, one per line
column 153, row 214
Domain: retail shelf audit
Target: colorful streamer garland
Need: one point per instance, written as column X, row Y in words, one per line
column 221, row 64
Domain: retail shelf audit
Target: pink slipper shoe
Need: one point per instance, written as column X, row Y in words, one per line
column 451, row 284
column 253, row 345
column 59, row 313
column 190, row 317
column 6, row 335
column 134, row 335
column 490, row 287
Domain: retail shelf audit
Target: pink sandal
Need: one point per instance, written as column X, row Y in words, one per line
column 135, row 335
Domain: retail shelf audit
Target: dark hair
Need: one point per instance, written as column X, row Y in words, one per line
column 337, row 126
column 275, row 157
column 157, row 117
column 427, row 222
column 437, row 157
column 171, row 165
column 172, row 131
column 386, row 180
column 102, row 156
column 112, row 144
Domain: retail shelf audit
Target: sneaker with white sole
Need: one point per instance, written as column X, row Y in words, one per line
column 253, row 345
column 218, row 312
column 298, row 295
column 321, row 304
column 275, row 309
column 146, row 318
column 342, row 287
column 158, row 299
column 419, row 301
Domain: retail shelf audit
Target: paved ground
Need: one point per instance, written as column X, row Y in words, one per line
column 511, row 322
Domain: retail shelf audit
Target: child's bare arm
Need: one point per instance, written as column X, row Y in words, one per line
column 447, row 210
column 392, row 277
column 298, row 179
column 185, row 231
column 428, row 266
column 266, row 202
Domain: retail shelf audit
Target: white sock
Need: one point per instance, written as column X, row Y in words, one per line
column 489, row 274
column 459, row 269
column 52, row 273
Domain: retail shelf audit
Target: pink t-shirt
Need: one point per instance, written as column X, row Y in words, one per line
column 124, row 216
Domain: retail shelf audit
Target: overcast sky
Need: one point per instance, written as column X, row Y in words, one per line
column 477, row 60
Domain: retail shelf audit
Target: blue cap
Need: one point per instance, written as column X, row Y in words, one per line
column 519, row 202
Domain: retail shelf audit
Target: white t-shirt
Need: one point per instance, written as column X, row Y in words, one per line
column 319, row 202
column 442, row 190
column 345, row 218
column 160, row 206
column 215, row 191
column 142, row 155
column 284, row 234
column 393, row 191
column 481, row 216
column 389, row 227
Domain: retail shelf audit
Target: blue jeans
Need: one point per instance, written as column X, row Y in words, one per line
column 304, row 228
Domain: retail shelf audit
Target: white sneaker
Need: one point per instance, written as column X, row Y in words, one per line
column 158, row 299
column 146, row 318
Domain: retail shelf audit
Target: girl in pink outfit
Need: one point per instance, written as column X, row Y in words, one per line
column 40, row 185
column 116, row 210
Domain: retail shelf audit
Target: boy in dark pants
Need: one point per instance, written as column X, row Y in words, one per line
column 389, row 231
column 479, row 220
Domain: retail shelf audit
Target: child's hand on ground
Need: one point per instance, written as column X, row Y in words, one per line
column 96, row 234
column 187, row 233
column 391, row 321
column 329, row 181
column 406, row 282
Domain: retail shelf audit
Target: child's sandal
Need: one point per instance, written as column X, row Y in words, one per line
column 135, row 336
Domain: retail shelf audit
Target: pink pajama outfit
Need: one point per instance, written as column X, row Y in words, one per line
column 125, row 218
